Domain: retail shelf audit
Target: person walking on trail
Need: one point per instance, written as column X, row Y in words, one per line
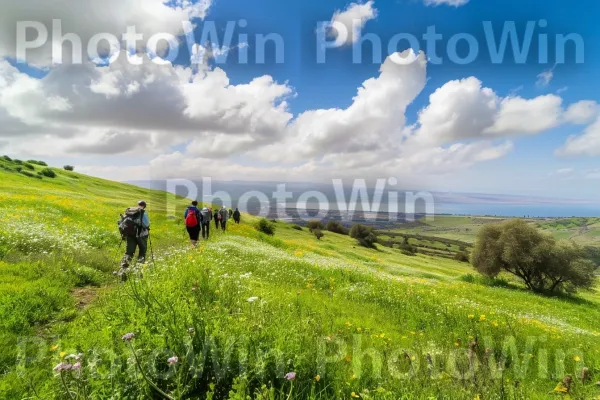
column 206, row 218
column 236, row 216
column 216, row 219
column 230, row 213
column 193, row 219
column 138, row 237
column 223, row 216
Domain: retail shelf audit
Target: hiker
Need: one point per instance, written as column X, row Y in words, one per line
column 216, row 219
column 236, row 216
column 206, row 217
column 223, row 216
column 230, row 213
column 193, row 219
column 138, row 237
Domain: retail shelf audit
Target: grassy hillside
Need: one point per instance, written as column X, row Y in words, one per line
column 245, row 309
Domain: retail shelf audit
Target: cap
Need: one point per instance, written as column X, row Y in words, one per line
column 142, row 203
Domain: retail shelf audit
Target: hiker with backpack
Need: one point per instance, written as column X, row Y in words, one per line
column 223, row 216
column 135, row 228
column 216, row 219
column 236, row 216
column 230, row 213
column 193, row 219
column 206, row 215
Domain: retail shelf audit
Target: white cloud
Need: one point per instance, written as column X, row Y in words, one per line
column 87, row 18
column 464, row 109
column 527, row 116
column 169, row 105
column 353, row 19
column 454, row 3
column 582, row 112
column 587, row 144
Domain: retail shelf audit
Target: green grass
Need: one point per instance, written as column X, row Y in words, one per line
column 244, row 309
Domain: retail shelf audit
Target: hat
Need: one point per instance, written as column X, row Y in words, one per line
column 142, row 203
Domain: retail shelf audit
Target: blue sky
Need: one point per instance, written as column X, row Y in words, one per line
column 509, row 161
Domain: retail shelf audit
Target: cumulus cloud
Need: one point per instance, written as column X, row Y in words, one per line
column 353, row 19
column 171, row 105
column 465, row 109
column 588, row 143
column 87, row 18
column 582, row 112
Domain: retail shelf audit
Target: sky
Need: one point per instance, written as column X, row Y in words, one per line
column 309, row 91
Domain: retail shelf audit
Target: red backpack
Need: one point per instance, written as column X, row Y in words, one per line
column 191, row 221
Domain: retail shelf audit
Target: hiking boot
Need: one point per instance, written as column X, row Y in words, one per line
column 141, row 260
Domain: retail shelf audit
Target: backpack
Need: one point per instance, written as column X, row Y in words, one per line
column 191, row 220
column 130, row 222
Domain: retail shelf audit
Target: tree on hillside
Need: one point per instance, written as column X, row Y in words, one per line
column 318, row 233
column 544, row 265
column 364, row 235
column 314, row 224
column 336, row 227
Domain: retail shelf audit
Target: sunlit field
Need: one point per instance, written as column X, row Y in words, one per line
column 246, row 315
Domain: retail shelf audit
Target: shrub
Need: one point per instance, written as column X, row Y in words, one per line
column 18, row 162
column 19, row 169
column 265, row 226
column 297, row 227
column 36, row 162
column 544, row 265
column 336, row 227
column 48, row 172
column 364, row 235
column 7, row 158
column 318, row 233
column 27, row 173
column 28, row 166
column 314, row 224
column 462, row 256
column 69, row 168
column 407, row 249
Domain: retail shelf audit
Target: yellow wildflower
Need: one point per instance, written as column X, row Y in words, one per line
column 317, row 378
column 482, row 317
column 53, row 348
column 355, row 395
column 471, row 316
column 576, row 359
column 62, row 354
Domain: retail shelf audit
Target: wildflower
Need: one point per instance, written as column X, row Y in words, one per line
column 495, row 324
column 355, row 395
column 53, row 348
column 348, row 324
column 317, row 378
column 128, row 336
column 353, row 377
column 358, row 329
column 76, row 366
column 62, row 354
column 576, row 359
column 191, row 331
column 173, row 360
column 62, row 367
column 482, row 317
column 471, row 316
column 290, row 376
column 252, row 299
column 217, row 291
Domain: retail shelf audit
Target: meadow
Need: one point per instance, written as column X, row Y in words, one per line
column 247, row 315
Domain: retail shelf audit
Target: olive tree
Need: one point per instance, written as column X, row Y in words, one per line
column 544, row 265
